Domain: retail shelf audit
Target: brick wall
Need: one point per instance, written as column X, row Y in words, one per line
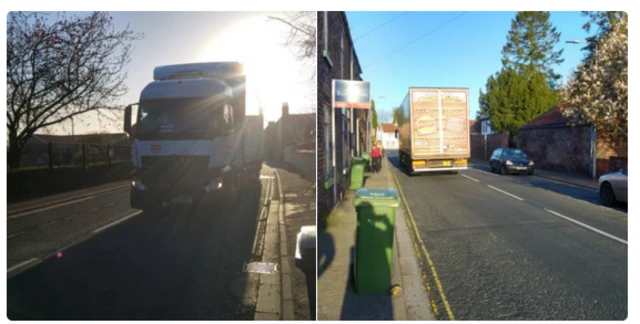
column 609, row 149
column 477, row 147
column 337, row 26
column 562, row 148
column 494, row 141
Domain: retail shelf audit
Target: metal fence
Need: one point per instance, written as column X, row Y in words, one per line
column 302, row 158
column 50, row 155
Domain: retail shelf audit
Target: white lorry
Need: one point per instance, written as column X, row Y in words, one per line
column 189, row 137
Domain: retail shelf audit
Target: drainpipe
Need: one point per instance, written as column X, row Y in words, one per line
column 594, row 152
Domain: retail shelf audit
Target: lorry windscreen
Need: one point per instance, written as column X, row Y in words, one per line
column 183, row 115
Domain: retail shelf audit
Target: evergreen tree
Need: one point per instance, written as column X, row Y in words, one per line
column 513, row 98
column 530, row 45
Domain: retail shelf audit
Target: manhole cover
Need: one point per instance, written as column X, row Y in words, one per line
column 261, row 267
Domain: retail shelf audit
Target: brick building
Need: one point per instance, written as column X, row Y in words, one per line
column 337, row 59
column 289, row 130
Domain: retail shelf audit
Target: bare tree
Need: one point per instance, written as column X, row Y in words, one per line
column 385, row 117
column 302, row 35
column 302, row 41
column 61, row 69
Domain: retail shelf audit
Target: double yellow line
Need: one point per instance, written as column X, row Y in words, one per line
column 417, row 241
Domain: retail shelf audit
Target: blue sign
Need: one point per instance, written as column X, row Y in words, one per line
column 351, row 94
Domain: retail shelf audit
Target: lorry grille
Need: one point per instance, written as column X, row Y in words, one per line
column 182, row 173
column 175, row 162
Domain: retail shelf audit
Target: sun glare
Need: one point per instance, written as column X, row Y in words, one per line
column 270, row 66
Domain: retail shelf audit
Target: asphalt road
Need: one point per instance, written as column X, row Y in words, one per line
column 509, row 247
column 183, row 263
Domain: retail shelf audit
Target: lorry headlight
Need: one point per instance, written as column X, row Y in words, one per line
column 215, row 184
column 136, row 183
column 508, row 162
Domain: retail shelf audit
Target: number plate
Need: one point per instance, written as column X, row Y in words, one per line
column 522, row 168
column 182, row 200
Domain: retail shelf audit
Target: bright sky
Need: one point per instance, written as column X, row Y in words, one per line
column 461, row 53
column 274, row 75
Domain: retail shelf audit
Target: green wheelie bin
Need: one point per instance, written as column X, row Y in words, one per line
column 357, row 173
column 367, row 157
column 376, row 210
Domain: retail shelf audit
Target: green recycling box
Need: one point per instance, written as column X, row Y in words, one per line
column 357, row 173
column 367, row 157
column 376, row 209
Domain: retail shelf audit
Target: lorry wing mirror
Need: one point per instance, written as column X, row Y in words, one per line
column 127, row 119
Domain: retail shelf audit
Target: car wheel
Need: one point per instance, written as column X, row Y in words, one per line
column 607, row 196
column 503, row 170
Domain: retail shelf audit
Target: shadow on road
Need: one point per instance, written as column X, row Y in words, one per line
column 183, row 263
column 584, row 194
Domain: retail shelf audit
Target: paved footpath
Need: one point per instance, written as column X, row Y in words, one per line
column 337, row 299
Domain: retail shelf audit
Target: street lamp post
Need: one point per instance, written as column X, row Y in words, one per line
column 577, row 41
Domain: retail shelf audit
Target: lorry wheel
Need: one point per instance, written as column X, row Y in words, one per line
column 229, row 189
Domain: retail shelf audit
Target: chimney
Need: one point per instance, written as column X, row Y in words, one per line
column 285, row 109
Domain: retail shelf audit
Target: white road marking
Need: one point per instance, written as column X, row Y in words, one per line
column 21, row 264
column 588, row 227
column 50, row 207
column 470, row 178
column 504, row 192
column 46, row 224
column 117, row 222
column 14, row 235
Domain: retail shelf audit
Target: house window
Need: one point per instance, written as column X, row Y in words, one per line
column 345, row 140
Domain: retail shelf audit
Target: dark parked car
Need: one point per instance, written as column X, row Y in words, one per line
column 507, row 160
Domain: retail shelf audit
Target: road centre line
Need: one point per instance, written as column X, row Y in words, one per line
column 468, row 177
column 14, row 235
column 504, row 192
column 588, row 227
column 117, row 222
column 21, row 264
column 50, row 207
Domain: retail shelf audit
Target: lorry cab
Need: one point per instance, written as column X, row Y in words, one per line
column 187, row 143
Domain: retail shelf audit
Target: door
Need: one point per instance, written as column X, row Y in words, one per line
column 495, row 159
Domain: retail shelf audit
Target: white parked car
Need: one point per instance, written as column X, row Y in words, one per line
column 613, row 187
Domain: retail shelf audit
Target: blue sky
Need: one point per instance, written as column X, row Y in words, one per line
column 274, row 75
column 462, row 53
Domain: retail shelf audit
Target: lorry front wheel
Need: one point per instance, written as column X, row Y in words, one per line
column 229, row 189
